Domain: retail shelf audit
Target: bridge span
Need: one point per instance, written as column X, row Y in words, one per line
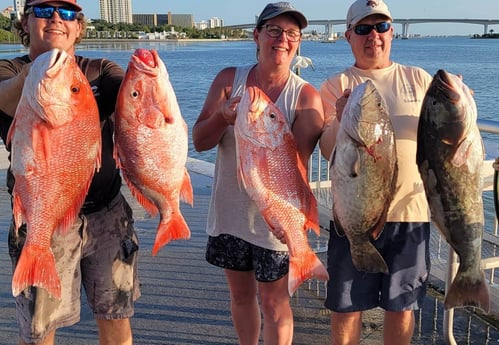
column 329, row 24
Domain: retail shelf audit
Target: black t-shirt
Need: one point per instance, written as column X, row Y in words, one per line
column 105, row 79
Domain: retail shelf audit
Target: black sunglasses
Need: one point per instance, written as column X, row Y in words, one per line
column 365, row 29
column 48, row 11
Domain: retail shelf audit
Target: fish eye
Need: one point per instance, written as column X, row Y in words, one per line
column 75, row 89
column 135, row 94
column 272, row 115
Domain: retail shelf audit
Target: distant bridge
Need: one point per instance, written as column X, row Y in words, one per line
column 329, row 23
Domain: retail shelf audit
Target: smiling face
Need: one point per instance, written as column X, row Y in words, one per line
column 277, row 50
column 49, row 33
column 371, row 51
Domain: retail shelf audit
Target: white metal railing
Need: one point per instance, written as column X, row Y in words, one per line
column 320, row 184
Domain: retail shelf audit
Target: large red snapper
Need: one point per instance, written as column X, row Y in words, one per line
column 274, row 177
column 450, row 156
column 56, row 146
column 151, row 144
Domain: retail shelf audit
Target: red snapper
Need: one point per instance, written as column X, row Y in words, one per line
column 275, row 178
column 56, row 146
column 151, row 145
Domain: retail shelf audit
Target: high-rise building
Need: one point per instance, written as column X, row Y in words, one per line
column 116, row 11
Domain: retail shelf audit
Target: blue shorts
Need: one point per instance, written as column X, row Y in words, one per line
column 405, row 248
column 233, row 253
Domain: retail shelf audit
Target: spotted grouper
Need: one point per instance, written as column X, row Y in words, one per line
column 450, row 156
column 364, row 174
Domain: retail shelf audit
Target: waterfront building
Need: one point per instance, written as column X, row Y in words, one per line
column 116, row 11
column 182, row 20
column 145, row 19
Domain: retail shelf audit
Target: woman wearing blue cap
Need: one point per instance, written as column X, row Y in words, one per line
column 255, row 262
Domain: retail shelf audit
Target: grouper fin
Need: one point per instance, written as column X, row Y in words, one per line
column 467, row 290
column 303, row 267
column 175, row 229
column 366, row 257
column 36, row 267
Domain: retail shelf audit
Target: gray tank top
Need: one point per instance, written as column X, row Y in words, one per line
column 231, row 211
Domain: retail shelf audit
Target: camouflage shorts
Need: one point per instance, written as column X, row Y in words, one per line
column 98, row 252
column 233, row 253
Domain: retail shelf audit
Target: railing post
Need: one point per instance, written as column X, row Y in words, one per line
column 448, row 321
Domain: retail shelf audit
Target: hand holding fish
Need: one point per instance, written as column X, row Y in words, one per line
column 228, row 110
column 280, row 235
column 341, row 102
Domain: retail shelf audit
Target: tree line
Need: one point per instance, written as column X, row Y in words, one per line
column 133, row 30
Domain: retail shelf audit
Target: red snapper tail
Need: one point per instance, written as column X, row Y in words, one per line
column 175, row 229
column 303, row 267
column 36, row 267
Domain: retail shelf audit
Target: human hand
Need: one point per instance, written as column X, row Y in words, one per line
column 341, row 102
column 229, row 110
column 280, row 235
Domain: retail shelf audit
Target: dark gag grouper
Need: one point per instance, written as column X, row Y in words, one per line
column 364, row 174
column 450, row 156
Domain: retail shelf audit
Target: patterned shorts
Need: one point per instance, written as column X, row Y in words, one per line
column 100, row 251
column 233, row 253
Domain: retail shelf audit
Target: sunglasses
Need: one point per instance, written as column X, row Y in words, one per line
column 365, row 29
column 47, row 12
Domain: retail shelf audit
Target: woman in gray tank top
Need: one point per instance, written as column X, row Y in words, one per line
column 254, row 260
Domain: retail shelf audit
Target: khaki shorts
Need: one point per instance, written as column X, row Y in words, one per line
column 100, row 252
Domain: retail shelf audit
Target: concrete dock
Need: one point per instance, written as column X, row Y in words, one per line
column 185, row 300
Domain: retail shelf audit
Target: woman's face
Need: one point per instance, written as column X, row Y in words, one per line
column 278, row 40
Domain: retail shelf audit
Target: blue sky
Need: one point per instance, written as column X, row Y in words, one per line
column 244, row 11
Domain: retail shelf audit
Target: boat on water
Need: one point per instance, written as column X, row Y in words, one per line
column 329, row 40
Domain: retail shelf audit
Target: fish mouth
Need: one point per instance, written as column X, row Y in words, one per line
column 446, row 87
column 146, row 61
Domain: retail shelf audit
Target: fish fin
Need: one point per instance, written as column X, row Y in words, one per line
column 337, row 227
column 149, row 206
column 303, row 267
column 313, row 225
column 175, row 229
column 186, row 194
column 36, row 267
column 10, row 133
column 312, row 214
column 466, row 290
column 366, row 258
column 17, row 211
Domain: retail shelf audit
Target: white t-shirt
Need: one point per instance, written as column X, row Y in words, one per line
column 403, row 88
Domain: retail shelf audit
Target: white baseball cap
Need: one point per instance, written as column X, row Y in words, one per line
column 361, row 9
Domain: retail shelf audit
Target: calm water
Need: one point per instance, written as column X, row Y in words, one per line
column 193, row 65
